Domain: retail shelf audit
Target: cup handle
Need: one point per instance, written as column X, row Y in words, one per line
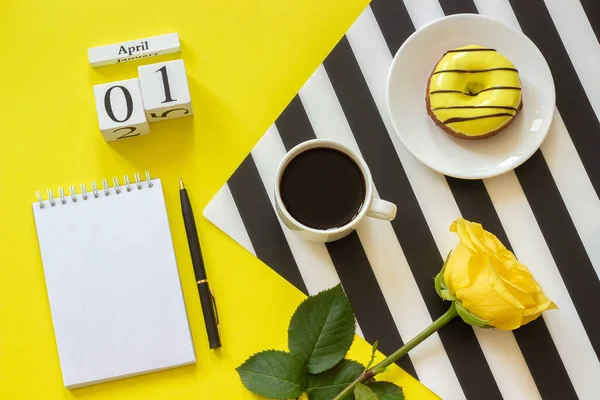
column 382, row 209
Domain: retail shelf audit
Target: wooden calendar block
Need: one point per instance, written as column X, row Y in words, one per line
column 134, row 50
column 121, row 110
column 165, row 90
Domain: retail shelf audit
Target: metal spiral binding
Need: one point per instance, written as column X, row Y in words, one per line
column 106, row 190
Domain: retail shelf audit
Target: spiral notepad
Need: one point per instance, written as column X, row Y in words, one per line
column 112, row 279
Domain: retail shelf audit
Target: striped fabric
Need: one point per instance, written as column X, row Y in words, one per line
column 547, row 211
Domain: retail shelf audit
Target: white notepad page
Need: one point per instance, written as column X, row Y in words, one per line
column 113, row 284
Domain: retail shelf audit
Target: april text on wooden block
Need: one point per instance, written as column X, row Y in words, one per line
column 135, row 49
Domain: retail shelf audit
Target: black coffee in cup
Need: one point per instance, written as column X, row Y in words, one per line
column 322, row 188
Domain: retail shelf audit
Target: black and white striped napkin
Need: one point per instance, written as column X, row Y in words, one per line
column 547, row 211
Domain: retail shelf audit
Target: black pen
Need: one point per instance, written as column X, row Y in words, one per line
column 207, row 299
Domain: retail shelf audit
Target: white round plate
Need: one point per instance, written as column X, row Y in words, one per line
column 460, row 158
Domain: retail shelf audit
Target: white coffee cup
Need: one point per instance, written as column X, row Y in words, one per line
column 371, row 206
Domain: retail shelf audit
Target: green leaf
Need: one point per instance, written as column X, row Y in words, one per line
column 373, row 351
column 380, row 370
column 326, row 385
column 468, row 317
column 440, row 285
column 322, row 329
column 386, row 390
column 361, row 392
column 273, row 374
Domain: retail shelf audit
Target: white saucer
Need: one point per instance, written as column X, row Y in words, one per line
column 468, row 159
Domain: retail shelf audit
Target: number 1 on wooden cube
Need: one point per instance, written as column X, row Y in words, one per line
column 165, row 90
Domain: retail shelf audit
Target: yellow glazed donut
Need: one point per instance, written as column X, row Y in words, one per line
column 474, row 92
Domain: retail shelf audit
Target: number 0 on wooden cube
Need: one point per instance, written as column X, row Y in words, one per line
column 121, row 110
column 165, row 90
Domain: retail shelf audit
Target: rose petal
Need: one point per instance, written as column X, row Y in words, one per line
column 458, row 227
column 533, row 313
column 456, row 275
column 525, row 298
column 487, row 297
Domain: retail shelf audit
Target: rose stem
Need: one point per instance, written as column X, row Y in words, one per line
column 380, row 367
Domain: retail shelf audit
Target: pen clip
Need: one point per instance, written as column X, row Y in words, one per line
column 214, row 304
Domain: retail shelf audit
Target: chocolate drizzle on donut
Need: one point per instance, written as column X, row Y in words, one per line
column 475, row 94
column 475, row 71
column 461, row 119
column 455, row 107
column 468, row 50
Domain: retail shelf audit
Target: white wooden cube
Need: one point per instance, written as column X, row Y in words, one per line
column 121, row 110
column 134, row 50
column 165, row 90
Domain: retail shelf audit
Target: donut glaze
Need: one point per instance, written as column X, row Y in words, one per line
column 473, row 92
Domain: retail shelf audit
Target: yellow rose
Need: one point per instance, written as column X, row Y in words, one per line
column 488, row 282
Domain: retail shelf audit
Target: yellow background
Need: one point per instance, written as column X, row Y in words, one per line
column 245, row 60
